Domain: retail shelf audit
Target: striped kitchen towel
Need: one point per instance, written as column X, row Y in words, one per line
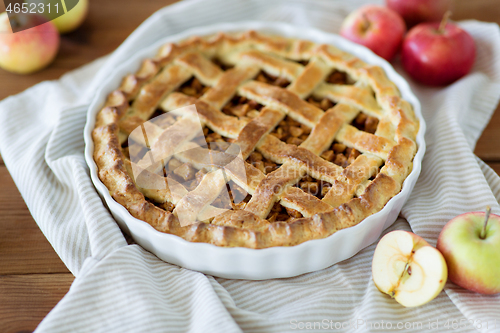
column 123, row 288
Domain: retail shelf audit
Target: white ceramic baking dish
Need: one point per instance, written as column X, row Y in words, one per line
column 244, row 263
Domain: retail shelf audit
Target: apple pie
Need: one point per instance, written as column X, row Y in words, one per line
column 252, row 140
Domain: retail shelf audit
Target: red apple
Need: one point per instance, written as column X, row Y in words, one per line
column 470, row 244
column 376, row 27
column 438, row 54
column 28, row 50
column 417, row 11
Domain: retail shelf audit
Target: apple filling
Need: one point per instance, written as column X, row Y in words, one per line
column 193, row 88
column 242, row 108
column 288, row 130
column 291, row 131
column 234, row 197
column 282, row 214
column 315, row 187
column 342, row 155
column 260, row 162
column 338, row 77
column 365, row 123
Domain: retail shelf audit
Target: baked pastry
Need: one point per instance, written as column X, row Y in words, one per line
column 261, row 141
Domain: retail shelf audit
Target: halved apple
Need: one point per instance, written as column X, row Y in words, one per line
column 408, row 269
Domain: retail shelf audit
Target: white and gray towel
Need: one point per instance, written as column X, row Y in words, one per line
column 123, row 288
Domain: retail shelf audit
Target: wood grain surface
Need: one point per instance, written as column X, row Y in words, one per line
column 23, row 248
column 26, row 299
column 32, row 277
column 496, row 167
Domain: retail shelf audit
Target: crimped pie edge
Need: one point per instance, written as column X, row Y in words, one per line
column 384, row 187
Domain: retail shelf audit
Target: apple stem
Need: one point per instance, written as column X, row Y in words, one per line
column 486, row 218
column 366, row 23
column 444, row 21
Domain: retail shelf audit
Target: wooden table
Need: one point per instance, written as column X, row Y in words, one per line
column 32, row 277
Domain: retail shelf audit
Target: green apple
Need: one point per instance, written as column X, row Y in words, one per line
column 470, row 243
column 408, row 269
column 72, row 19
column 29, row 50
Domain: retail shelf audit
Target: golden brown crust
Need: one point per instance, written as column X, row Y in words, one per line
column 356, row 192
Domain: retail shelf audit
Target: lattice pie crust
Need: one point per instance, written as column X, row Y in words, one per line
column 326, row 138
